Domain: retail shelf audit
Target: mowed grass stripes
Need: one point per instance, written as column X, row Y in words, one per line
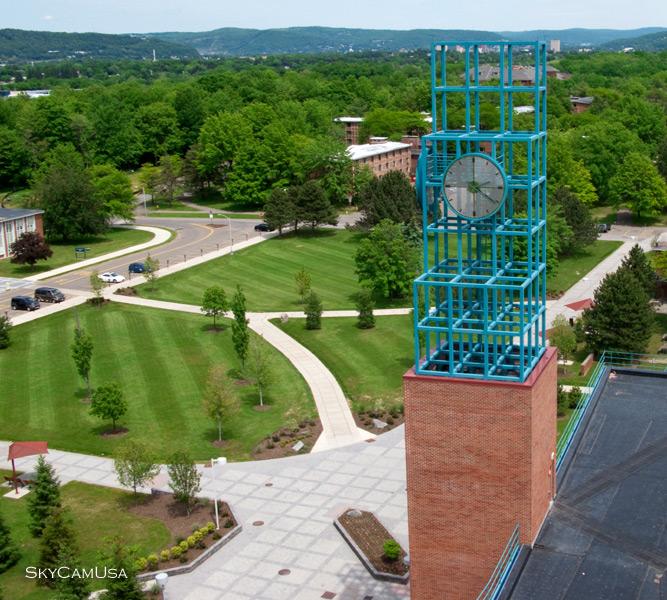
column 368, row 363
column 161, row 361
column 266, row 273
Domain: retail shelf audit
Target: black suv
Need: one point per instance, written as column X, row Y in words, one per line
column 24, row 303
column 47, row 294
column 263, row 227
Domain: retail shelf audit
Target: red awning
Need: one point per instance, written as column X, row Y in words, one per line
column 20, row 449
column 580, row 305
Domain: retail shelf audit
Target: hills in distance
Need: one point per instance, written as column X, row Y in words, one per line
column 24, row 46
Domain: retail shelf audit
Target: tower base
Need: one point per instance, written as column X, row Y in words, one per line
column 480, row 460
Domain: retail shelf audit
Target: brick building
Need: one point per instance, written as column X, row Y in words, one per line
column 581, row 104
column 352, row 125
column 14, row 222
column 383, row 156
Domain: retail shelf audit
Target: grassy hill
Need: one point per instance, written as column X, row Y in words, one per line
column 653, row 42
column 17, row 45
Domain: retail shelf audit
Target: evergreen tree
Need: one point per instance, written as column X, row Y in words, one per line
column 365, row 305
column 240, row 334
column 314, row 207
column 9, row 552
column 45, row 496
column 578, row 219
column 641, row 268
column 5, row 327
column 116, row 555
column 621, row 317
column 58, row 535
column 313, row 310
column 70, row 588
column 388, row 197
column 279, row 210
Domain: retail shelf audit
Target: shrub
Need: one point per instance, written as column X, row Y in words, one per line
column 390, row 420
column 391, row 549
column 164, row 555
column 210, row 526
column 175, row 551
column 184, row 546
column 155, row 590
column 270, row 446
column 229, row 523
column 216, row 535
column 275, row 438
column 184, row 558
column 195, row 527
column 204, row 531
column 152, row 561
column 573, row 397
column 197, row 535
column 192, row 541
column 179, row 539
column 141, row 563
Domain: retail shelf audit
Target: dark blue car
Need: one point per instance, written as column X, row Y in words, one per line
column 136, row 268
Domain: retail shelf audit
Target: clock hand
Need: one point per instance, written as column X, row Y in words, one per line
column 477, row 188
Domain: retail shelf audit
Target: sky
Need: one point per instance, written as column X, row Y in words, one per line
column 145, row 16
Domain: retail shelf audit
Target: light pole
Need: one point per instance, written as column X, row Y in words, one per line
column 231, row 241
column 143, row 195
column 220, row 461
column 161, row 580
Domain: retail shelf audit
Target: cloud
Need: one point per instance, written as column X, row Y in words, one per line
column 47, row 17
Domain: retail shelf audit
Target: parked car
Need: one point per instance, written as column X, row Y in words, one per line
column 47, row 294
column 136, row 268
column 24, row 303
column 111, row 277
column 264, row 227
column 604, row 227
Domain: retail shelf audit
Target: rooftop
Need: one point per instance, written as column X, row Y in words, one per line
column 10, row 214
column 356, row 152
column 605, row 536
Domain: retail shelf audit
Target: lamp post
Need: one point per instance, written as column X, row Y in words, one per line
column 220, row 461
column 143, row 195
column 161, row 580
column 231, row 241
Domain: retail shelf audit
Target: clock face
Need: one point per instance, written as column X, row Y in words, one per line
column 474, row 186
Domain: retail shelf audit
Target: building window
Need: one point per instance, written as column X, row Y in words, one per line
column 379, row 167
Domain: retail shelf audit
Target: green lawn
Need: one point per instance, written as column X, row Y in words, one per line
column 63, row 254
column 159, row 358
column 198, row 215
column 213, row 199
column 98, row 512
column 572, row 268
column 266, row 273
column 368, row 363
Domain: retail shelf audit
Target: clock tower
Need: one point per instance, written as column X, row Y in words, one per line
column 480, row 401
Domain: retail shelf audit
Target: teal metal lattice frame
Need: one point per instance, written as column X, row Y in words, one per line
column 480, row 307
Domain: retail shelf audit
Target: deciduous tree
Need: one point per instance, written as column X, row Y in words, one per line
column 30, row 248
column 5, row 328
column 185, row 481
column 240, row 334
column 302, row 278
column 638, row 185
column 260, row 366
column 151, row 270
column 562, row 337
column 135, row 464
column 113, row 191
column 220, row 401
column 214, row 303
column 107, row 402
column 82, row 354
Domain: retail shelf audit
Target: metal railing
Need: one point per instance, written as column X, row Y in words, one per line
column 626, row 360
column 499, row 576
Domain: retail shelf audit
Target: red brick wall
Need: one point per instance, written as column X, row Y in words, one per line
column 39, row 224
column 478, row 457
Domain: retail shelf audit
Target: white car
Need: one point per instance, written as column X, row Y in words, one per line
column 111, row 277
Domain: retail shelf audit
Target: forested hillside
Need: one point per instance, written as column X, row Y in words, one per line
column 17, row 45
column 654, row 42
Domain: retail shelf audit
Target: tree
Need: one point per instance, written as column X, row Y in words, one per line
column 9, row 552
column 220, row 401
column 185, row 480
column 279, row 210
column 260, row 366
column 214, row 303
column 365, row 306
column 107, row 402
column 149, row 177
column 641, row 268
column 240, row 334
column 151, row 269
column 30, row 248
column 386, row 261
column 562, row 337
column 65, row 193
column 113, row 191
column 122, row 559
column 314, row 207
column 621, row 317
column 302, row 279
column 169, row 177
column 96, row 287
column 135, row 464
column 57, row 536
column 45, row 496
column 564, row 171
column 661, row 160
column 392, row 197
column 578, row 218
column 313, row 310
column 70, row 588
column 5, row 327
column 638, row 185
column 82, row 354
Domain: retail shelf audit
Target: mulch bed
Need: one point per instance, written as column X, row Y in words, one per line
column 370, row 535
column 364, row 420
column 111, row 434
column 181, row 525
column 127, row 291
column 279, row 444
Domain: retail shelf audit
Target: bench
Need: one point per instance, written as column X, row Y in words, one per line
column 22, row 482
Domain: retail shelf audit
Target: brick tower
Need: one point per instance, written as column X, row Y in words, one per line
column 480, row 402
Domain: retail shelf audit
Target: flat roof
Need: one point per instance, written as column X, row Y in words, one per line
column 349, row 119
column 11, row 214
column 605, row 536
column 356, row 152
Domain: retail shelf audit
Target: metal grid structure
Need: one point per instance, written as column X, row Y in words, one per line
column 480, row 303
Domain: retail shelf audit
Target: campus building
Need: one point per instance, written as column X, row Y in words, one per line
column 382, row 156
column 14, row 222
column 351, row 125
